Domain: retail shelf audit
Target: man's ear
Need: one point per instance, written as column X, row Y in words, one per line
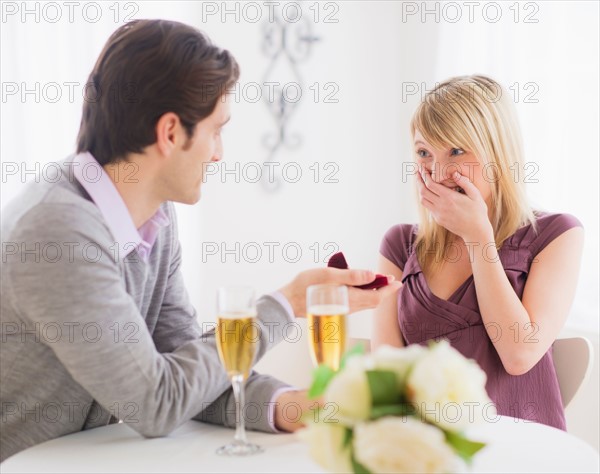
column 168, row 129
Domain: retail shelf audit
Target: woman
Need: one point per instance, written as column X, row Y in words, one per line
column 482, row 269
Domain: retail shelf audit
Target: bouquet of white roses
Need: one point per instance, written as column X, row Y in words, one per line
column 397, row 410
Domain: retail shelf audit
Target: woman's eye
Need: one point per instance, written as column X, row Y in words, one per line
column 422, row 153
column 456, row 151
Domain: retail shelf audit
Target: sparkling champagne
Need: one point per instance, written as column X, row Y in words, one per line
column 327, row 331
column 237, row 340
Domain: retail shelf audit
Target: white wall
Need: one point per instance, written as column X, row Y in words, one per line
column 362, row 135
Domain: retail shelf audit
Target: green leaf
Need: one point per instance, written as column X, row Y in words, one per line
column 402, row 409
column 383, row 387
column 322, row 375
column 464, row 447
column 347, row 438
column 357, row 467
column 358, row 349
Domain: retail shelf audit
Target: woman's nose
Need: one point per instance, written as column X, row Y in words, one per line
column 441, row 172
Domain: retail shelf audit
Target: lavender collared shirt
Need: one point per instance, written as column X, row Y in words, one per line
column 103, row 192
column 98, row 184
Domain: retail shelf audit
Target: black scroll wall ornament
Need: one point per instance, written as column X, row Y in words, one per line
column 286, row 44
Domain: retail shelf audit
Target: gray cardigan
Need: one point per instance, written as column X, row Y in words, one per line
column 87, row 339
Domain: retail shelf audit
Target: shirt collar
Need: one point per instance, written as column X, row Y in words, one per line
column 103, row 192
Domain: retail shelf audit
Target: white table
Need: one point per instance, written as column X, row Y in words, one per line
column 514, row 446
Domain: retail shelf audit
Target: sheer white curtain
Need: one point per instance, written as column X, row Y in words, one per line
column 550, row 68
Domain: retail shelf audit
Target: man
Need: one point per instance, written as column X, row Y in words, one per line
column 96, row 322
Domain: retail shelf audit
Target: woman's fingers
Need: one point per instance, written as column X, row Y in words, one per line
column 464, row 182
column 435, row 187
column 427, row 203
column 424, row 189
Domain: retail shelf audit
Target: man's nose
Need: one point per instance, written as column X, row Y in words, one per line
column 218, row 156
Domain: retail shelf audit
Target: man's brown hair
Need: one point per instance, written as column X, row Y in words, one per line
column 146, row 69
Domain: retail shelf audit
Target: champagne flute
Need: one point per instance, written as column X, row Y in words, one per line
column 327, row 307
column 237, row 338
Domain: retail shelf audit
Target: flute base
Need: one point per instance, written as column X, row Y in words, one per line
column 239, row 449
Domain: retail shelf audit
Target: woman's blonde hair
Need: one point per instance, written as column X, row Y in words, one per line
column 474, row 113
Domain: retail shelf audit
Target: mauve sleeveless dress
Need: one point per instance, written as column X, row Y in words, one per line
column 423, row 316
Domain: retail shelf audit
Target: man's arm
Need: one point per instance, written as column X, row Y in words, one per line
column 178, row 324
column 86, row 290
column 260, row 407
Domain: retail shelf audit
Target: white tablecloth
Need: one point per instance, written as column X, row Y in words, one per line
column 514, row 446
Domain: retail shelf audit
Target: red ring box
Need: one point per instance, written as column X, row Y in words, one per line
column 338, row 261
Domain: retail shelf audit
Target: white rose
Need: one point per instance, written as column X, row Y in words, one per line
column 360, row 362
column 325, row 443
column 402, row 444
column 449, row 389
column 398, row 360
column 349, row 391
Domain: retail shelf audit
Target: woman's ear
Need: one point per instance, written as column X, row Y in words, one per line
column 167, row 130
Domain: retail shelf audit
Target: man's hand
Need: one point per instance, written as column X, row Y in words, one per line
column 292, row 407
column 295, row 292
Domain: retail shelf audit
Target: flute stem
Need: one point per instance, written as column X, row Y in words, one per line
column 237, row 382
